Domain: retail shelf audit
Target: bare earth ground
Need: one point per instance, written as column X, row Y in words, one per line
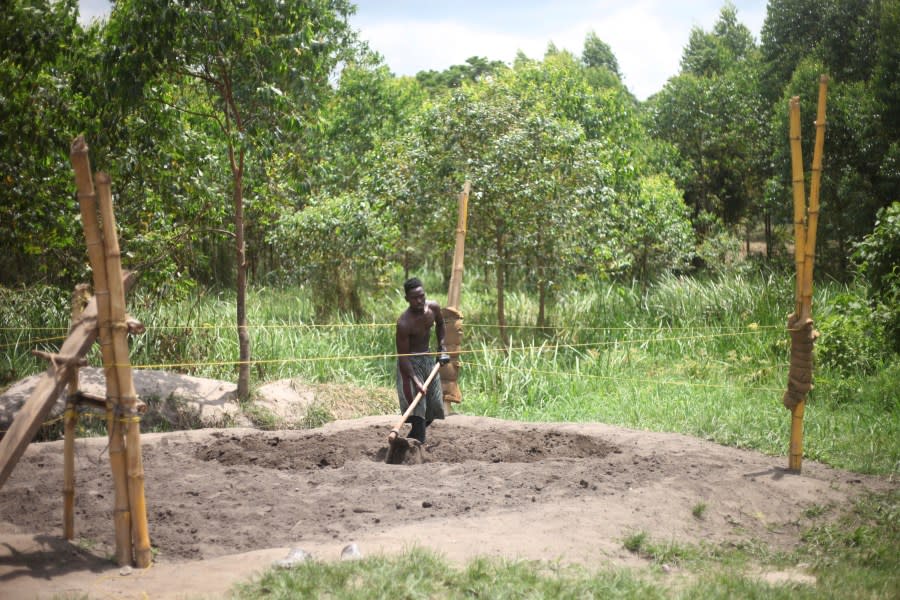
column 226, row 504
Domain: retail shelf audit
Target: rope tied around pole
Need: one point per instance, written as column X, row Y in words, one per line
column 803, row 337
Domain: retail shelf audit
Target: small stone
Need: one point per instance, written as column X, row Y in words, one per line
column 351, row 552
column 426, row 504
column 294, row 557
column 125, row 571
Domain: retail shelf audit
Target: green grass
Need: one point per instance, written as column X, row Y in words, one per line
column 419, row 573
column 703, row 357
column 851, row 556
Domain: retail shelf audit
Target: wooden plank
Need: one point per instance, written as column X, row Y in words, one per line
column 29, row 418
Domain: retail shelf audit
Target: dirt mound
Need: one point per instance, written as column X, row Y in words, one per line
column 177, row 401
column 223, row 504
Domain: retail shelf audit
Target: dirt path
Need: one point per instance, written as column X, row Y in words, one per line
column 225, row 504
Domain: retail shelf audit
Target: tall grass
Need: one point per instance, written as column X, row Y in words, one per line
column 704, row 357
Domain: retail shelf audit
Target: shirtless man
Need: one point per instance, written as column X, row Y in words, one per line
column 414, row 362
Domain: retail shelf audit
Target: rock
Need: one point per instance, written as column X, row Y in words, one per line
column 294, row 558
column 351, row 552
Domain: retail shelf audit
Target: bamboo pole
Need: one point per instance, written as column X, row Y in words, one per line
column 803, row 335
column 451, row 313
column 455, row 292
column 812, row 221
column 79, row 302
column 799, row 199
column 87, row 202
column 128, row 404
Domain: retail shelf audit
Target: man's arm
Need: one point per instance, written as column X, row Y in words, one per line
column 439, row 327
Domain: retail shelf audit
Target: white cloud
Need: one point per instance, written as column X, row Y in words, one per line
column 647, row 36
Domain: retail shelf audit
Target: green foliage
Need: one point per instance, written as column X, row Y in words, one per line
column 849, row 40
column 598, row 55
column 475, row 69
column 878, row 259
column 40, row 41
column 851, row 340
column 654, row 230
column 344, row 245
column 699, row 510
column 713, row 113
column 35, row 317
column 728, row 45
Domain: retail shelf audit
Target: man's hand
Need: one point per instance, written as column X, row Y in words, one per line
column 444, row 358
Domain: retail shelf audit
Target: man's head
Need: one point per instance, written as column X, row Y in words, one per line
column 411, row 284
column 415, row 294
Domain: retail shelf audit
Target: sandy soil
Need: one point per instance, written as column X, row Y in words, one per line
column 226, row 504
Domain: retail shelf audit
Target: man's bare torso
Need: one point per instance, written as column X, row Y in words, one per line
column 416, row 328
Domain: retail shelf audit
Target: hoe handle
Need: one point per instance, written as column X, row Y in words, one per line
column 412, row 405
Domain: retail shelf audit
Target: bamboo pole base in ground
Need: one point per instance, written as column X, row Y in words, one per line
column 795, row 456
column 803, row 338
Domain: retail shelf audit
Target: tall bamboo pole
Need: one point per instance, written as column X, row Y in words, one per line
column 455, row 292
column 451, row 313
column 803, row 335
column 79, row 301
column 799, row 198
column 129, row 407
column 87, row 202
column 812, row 222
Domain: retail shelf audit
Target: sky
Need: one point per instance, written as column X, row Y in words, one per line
column 646, row 36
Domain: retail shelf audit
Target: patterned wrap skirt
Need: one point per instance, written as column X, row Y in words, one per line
column 430, row 407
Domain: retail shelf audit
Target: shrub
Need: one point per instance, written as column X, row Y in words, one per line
column 878, row 258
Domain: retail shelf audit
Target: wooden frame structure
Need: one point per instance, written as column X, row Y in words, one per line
column 103, row 317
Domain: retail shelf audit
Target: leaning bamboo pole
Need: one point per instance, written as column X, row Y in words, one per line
column 453, row 318
column 129, row 408
column 799, row 198
column 812, row 220
column 87, row 201
column 79, row 301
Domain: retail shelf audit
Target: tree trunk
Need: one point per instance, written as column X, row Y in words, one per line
column 243, row 383
column 501, row 314
column 542, row 300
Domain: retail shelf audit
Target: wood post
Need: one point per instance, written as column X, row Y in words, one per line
column 800, row 323
column 79, row 301
column 127, row 472
column 87, row 201
column 451, row 313
column 129, row 408
column 799, row 199
column 812, row 220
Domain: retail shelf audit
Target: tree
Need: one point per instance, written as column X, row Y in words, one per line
column 474, row 69
column 39, row 116
column 713, row 114
column 345, row 245
column 262, row 64
column 854, row 42
column 598, row 55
